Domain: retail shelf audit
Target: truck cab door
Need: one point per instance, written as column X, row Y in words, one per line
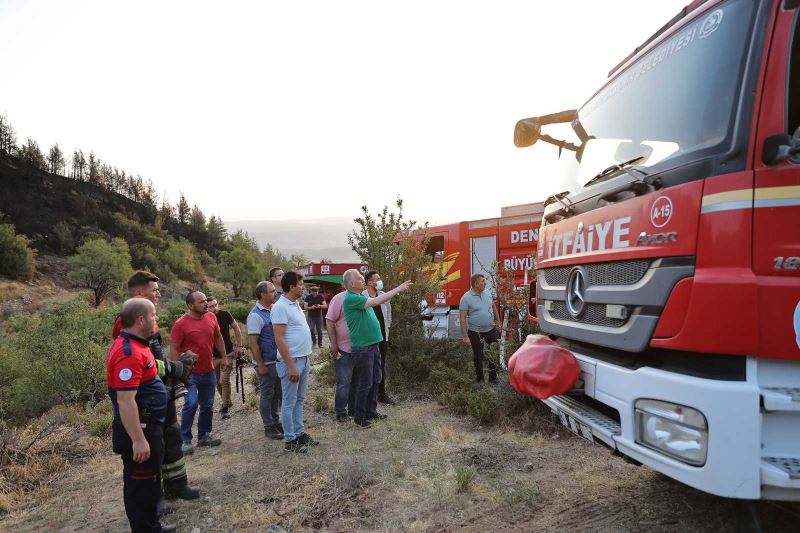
column 776, row 202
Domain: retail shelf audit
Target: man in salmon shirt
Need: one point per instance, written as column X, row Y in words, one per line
column 346, row 384
column 198, row 332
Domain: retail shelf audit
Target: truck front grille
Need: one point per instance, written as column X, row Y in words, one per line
column 615, row 273
column 635, row 289
column 595, row 315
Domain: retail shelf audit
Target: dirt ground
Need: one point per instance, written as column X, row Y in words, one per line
column 422, row 469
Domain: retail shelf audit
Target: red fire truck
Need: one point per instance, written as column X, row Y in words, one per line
column 668, row 260
column 462, row 249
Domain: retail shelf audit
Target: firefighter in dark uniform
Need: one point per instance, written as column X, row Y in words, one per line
column 140, row 407
column 144, row 284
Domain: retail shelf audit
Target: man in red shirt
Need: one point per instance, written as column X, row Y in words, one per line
column 139, row 398
column 198, row 332
column 144, row 284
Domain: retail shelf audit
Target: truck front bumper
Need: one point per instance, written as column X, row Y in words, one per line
column 753, row 452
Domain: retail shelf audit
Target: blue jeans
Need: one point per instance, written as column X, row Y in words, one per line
column 368, row 367
column 269, row 389
column 202, row 388
column 346, row 384
column 294, row 394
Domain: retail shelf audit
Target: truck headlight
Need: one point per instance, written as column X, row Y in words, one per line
column 675, row 430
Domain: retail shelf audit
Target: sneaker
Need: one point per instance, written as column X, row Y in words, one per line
column 362, row 423
column 187, row 448
column 295, row 446
column 184, row 491
column 306, row 440
column 386, row 400
column 179, row 391
column 224, row 413
column 377, row 416
column 208, row 440
column 273, row 433
column 168, row 528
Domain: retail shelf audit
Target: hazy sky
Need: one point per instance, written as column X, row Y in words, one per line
column 279, row 110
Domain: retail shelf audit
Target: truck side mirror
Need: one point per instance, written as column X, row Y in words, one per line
column 527, row 132
column 781, row 147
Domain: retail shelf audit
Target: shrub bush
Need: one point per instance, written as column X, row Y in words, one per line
column 61, row 359
column 239, row 310
column 100, row 425
column 17, row 260
column 168, row 314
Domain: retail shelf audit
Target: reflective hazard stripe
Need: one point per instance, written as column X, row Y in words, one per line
column 751, row 198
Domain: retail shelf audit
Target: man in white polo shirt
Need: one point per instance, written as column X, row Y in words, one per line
column 293, row 339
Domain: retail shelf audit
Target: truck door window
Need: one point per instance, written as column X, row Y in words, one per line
column 793, row 94
column 435, row 248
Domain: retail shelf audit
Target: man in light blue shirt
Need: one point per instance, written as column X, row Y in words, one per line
column 293, row 339
column 479, row 321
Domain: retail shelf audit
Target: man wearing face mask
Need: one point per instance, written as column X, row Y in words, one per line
column 384, row 314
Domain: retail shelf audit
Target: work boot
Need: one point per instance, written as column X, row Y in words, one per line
column 363, row 423
column 342, row 418
column 224, row 413
column 306, row 440
column 184, row 491
column 208, row 440
column 161, row 506
column 168, row 528
column 279, row 426
column 295, row 446
column 273, row 433
column 385, row 399
column 377, row 416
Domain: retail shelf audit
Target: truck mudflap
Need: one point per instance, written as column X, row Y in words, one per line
column 753, row 426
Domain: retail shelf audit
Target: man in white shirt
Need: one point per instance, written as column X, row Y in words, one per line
column 293, row 339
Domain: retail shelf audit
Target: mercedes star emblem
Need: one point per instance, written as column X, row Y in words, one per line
column 576, row 292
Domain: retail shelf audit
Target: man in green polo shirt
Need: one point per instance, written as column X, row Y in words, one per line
column 479, row 321
column 365, row 336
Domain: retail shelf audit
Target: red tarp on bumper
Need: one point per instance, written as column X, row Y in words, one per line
column 542, row 368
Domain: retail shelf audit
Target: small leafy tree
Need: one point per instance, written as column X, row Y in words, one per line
column 17, row 260
column 272, row 257
column 63, row 238
column 395, row 247
column 100, row 266
column 182, row 258
column 55, row 160
column 32, row 155
column 240, row 268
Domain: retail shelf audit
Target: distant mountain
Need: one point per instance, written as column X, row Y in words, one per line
column 316, row 239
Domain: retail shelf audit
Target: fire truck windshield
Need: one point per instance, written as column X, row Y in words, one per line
column 671, row 104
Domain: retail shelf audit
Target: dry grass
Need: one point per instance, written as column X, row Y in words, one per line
column 33, row 457
column 423, row 469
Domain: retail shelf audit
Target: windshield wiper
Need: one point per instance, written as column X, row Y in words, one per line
column 620, row 167
column 559, row 197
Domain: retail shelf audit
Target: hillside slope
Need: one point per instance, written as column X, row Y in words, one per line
column 34, row 201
